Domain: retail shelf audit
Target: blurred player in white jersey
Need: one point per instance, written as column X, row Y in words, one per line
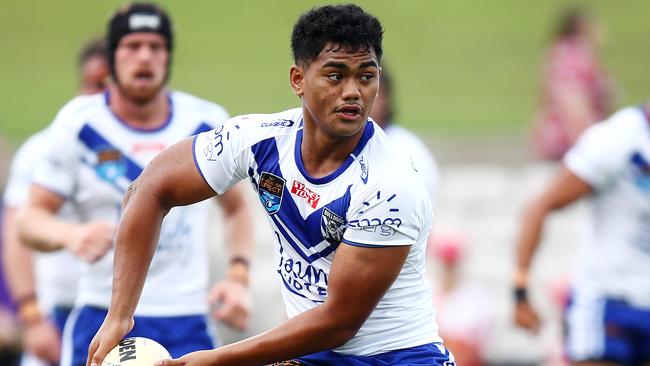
column 102, row 143
column 44, row 287
column 383, row 112
column 608, row 318
column 349, row 213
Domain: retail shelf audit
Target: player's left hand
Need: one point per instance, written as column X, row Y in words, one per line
column 199, row 358
column 108, row 336
column 232, row 303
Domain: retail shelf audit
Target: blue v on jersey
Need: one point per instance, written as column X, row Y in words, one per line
column 375, row 199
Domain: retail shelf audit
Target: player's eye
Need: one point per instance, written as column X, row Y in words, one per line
column 367, row 77
column 335, row 77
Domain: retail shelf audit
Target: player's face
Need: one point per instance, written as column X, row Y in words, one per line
column 338, row 89
column 141, row 61
column 94, row 73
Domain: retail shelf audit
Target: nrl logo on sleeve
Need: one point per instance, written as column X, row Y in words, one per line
column 332, row 226
column 270, row 190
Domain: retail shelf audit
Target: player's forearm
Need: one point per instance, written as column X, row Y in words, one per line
column 313, row 331
column 529, row 238
column 42, row 230
column 17, row 259
column 240, row 243
column 135, row 245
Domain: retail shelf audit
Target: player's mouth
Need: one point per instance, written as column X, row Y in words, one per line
column 144, row 76
column 349, row 112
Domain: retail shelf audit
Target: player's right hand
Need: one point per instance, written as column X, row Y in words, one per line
column 526, row 316
column 108, row 336
column 43, row 340
column 92, row 240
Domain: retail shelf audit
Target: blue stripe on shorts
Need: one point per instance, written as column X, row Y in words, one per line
column 431, row 354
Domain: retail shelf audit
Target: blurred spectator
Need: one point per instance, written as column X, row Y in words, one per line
column 575, row 90
column 464, row 312
column 44, row 286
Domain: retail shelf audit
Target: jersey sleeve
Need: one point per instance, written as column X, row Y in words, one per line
column 220, row 156
column 20, row 178
column 598, row 155
column 58, row 164
column 385, row 216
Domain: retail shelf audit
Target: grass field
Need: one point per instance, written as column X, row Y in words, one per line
column 462, row 67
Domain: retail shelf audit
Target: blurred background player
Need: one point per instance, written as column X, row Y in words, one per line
column 103, row 142
column 45, row 290
column 608, row 317
column 383, row 112
column 576, row 92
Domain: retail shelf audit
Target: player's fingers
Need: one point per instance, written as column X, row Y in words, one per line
column 169, row 363
column 97, row 356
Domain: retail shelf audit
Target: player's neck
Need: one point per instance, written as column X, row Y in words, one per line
column 142, row 115
column 322, row 154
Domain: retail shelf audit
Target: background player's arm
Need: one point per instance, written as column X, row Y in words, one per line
column 39, row 335
column 564, row 189
column 41, row 229
column 230, row 296
column 358, row 280
column 171, row 179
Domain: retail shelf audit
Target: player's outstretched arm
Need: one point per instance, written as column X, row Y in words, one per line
column 564, row 189
column 171, row 179
column 358, row 280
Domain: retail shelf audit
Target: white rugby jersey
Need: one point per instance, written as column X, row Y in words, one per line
column 614, row 158
column 94, row 159
column 374, row 199
column 56, row 273
column 424, row 160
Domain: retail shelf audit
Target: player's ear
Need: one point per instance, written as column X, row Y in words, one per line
column 297, row 79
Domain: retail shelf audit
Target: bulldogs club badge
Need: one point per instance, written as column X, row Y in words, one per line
column 110, row 165
column 270, row 190
column 332, row 226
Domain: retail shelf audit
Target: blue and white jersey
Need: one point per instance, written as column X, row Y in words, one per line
column 56, row 273
column 614, row 158
column 375, row 199
column 94, row 158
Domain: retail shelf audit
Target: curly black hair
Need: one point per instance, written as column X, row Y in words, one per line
column 341, row 26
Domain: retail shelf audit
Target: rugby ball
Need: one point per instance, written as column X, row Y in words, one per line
column 136, row 351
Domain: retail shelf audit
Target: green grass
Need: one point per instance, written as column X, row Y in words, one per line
column 461, row 67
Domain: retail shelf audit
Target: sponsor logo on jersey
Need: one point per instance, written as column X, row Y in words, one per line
column 376, row 221
column 278, row 123
column 110, row 165
column 332, row 226
column 364, row 170
column 151, row 146
column 301, row 190
column 270, row 190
